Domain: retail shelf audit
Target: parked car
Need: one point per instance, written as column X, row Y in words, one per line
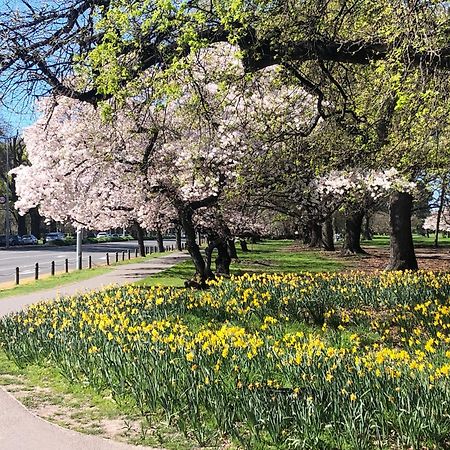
column 14, row 239
column 29, row 239
column 103, row 235
column 55, row 236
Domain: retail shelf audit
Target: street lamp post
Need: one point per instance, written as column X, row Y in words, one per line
column 4, row 199
column 79, row 248
column 7, row 212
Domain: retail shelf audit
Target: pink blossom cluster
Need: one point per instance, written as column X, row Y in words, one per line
column 154, row 154
column 444, row 222
column 357, row 184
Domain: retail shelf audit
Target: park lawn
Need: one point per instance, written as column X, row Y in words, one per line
column 419, row 241
column 30, row 285
column 278, row 256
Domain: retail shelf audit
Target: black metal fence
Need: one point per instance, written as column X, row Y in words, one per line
column 111, row 258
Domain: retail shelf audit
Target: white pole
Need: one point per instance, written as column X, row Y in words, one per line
column 79, row 249
column 7, row 218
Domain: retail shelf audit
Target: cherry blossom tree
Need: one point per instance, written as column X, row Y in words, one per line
column 83, row 170
column 185, row 150
column 356, row 191
column 431, row 221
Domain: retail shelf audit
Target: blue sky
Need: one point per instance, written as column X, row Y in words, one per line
column 18, row 118
column 17, row 110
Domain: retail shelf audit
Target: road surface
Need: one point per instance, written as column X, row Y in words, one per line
column 25, row 257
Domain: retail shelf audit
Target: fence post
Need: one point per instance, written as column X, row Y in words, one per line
column 146, row 250
column 90, row 262
column 36, row 271
column 67, row 265
column 136, row 252
column 17, row 275
column 52, row 270
column 117, row 256
column 107, row 259
column 129, row 254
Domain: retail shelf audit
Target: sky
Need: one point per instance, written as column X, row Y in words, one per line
column 16, row 113
column 16, row 120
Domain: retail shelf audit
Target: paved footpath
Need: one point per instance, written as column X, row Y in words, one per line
column 22, row 430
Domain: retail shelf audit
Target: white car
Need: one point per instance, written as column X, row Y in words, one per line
column 103, row 234
column 55, row 236
column 29, row 239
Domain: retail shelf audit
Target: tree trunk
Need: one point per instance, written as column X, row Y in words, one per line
column 232, row 249
column 21, row 225
column 223, row 259
column 367, row 233
column 306, row 235
column 192, row 246
column 439, row 213
column 140, row 238
column 316, row 235
column 244, row 246
column 208, row 252
column 328, row 235
column 352, row 238
column 402, row 248
column 35, row 222
column 159, row 239
column 178, row 238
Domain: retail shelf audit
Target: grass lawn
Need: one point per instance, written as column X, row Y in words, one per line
column 49, row 282
column 419, row 241
column 267, row 256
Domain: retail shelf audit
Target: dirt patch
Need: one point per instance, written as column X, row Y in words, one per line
column 378, row 258
column 66, row 411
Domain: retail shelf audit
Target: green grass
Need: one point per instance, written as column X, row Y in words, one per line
column 419, row 241
column 30, row 286
column 267, row 256
column 281, row 257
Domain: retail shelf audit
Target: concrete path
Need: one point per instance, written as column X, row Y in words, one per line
column 22, row 430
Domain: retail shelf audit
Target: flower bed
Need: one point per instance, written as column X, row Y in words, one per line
column 289, row 361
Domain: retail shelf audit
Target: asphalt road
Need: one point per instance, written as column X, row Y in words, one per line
column 25, row 257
